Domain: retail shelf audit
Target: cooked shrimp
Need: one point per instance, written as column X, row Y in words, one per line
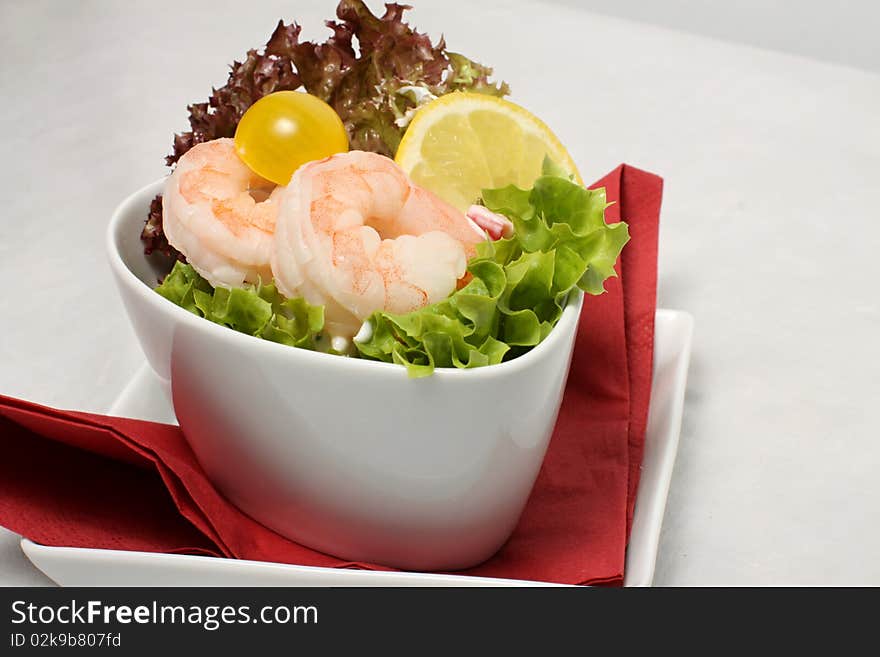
column 496, row 225
column 356, row 235
column 221, row 215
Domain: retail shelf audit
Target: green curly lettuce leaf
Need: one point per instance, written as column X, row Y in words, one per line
column 258, row 310
column 519, row 285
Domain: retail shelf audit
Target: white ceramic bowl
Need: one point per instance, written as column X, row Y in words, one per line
column 343, row 455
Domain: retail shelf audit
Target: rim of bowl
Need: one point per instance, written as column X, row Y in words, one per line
column 567, row 322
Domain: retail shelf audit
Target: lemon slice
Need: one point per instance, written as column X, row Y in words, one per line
column 462, row 143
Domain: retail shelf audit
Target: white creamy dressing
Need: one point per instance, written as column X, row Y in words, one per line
column 365, row 333
column 420, row 95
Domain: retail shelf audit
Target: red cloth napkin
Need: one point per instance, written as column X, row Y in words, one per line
column 84, row 480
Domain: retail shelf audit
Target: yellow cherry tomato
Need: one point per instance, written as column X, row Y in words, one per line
column 286, row 129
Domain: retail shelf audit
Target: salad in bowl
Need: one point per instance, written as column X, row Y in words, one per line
column 342, row 218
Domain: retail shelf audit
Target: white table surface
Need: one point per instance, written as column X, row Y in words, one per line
column 770, row 231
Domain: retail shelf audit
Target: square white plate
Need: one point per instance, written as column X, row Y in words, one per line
column 142, row 398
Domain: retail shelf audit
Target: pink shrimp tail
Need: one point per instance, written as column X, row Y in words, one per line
column 496, row 225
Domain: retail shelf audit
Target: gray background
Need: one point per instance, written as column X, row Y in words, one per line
column 844, row 32
column 769, row 235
